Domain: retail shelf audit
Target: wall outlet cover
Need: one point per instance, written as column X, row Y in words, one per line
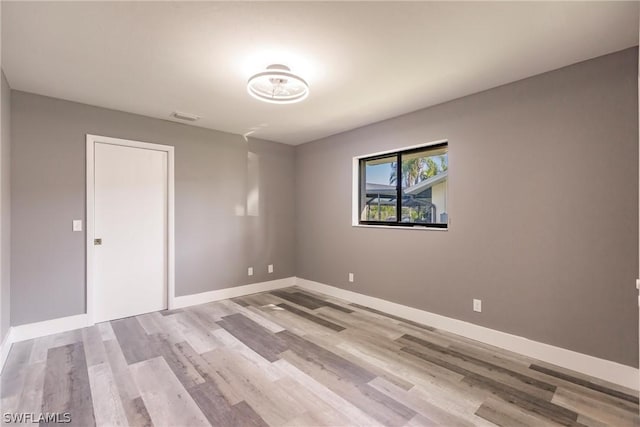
column 250, row 271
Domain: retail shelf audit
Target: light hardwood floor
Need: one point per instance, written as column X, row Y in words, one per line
column 294, row 358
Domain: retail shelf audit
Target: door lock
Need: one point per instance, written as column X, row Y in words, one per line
column 97, row 242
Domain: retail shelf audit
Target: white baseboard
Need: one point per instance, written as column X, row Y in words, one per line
column 63, row 324
column 607, row 370
column 39, row 329
column 5, row 347
column 48, row 327
column 599, row 368
column 237, row 291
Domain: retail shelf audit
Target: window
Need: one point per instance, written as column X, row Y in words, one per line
column 405, row 188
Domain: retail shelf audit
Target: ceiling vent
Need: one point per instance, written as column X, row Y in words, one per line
column 185, row 116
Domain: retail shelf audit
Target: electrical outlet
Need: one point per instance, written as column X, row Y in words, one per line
column 351, row 277
column 270, row 268
column 250, row 271
column 477, row 305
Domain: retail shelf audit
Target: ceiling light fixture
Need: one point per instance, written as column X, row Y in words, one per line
column 278, row 85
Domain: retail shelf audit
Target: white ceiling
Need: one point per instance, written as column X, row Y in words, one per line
column 364, row 61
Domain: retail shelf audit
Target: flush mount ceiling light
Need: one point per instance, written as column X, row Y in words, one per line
column 278, row 85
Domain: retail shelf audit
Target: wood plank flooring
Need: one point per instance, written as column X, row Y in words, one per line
column 295, row 358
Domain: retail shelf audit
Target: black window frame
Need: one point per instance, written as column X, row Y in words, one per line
column 398, row 154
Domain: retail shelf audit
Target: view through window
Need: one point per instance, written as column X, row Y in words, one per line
column 405, row 188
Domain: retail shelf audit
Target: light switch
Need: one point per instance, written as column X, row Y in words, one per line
column 77, row 225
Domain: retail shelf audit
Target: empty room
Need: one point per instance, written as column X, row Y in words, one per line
column 310, row 213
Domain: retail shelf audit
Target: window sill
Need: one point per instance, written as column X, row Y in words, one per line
column 399, row 227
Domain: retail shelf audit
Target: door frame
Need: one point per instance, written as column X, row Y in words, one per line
column 90, row 212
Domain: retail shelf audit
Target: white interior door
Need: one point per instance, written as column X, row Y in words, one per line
column 130, row 220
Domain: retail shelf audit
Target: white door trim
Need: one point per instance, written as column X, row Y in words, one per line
column 91, row 141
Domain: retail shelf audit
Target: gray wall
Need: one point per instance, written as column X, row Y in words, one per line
column 5, row 206
column 543, row 203
column 214, row 246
